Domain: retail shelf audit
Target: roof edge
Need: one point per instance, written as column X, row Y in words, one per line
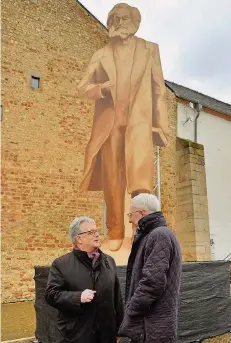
column 208, row 102
column 167, row 85
column 206, row 95
column 90, row 14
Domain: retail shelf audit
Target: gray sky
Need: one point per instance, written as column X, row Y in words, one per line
column 194, row 37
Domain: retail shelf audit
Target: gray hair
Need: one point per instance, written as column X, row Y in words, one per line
column 147, row 202
column 75, row 227
column 135, row 14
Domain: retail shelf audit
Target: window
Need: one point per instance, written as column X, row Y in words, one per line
column 35, row 82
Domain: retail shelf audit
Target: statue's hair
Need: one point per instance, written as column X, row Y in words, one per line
column 135, row 14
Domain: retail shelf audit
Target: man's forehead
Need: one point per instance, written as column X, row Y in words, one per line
column 87, row 226
column 121, row 12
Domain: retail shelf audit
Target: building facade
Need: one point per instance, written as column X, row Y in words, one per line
column 207, row 121
column 46, row 47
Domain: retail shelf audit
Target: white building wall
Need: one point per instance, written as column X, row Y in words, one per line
column 215, row 134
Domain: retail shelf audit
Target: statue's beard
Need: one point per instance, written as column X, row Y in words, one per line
column 122, row 32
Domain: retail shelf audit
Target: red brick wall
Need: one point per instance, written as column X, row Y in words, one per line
column 44, row 134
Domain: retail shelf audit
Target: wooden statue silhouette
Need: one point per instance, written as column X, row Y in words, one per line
column 126, row 81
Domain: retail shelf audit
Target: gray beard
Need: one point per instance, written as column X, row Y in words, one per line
column 121, row 33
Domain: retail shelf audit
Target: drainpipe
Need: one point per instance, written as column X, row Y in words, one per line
column 198, row 107
column 158, row 174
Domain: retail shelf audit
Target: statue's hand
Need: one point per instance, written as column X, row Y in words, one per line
column 107, row 86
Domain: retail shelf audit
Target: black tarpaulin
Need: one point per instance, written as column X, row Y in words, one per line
column 205, row 302
column 46, row 315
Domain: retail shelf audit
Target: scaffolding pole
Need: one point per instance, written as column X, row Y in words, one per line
column 157, row 182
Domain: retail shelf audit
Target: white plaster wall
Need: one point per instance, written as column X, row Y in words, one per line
column 185, row 126
column 215, row 134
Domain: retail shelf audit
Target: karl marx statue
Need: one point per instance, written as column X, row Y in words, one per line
column 126, row 81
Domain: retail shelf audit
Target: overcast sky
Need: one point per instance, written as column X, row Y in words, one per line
column 194, row 37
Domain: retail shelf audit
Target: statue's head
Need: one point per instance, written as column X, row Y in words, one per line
column 123, row 21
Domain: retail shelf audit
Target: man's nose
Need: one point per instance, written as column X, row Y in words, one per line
column 119, row 21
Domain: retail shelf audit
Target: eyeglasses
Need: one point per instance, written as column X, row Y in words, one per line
column 90, row 233
column 130, row 214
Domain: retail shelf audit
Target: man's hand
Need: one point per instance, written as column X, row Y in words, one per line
column 117, row 339
column 107, row 86
column 87, row 296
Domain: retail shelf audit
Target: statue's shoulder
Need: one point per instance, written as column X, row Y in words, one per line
column 153, row 46
column 97, row 55
column 149, row 45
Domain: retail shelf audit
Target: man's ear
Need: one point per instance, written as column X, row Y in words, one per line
column 78, row 240
column 143, row 213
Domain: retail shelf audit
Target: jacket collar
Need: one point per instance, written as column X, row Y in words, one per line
column 83, row 257
column 151, row 222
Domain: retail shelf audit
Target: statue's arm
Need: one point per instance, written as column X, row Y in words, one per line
column 88, row 86
column 157, row 76
column 160, row 116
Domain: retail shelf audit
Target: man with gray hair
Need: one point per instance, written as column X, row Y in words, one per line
column 153, row 276
column 84, row 287
column 125, row 80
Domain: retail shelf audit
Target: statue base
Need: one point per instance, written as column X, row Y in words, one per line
column 120, row 256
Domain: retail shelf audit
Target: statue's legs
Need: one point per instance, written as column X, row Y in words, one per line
column 114, row 184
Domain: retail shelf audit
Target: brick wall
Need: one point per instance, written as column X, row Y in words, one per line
column 45, row 132
column 44, row 136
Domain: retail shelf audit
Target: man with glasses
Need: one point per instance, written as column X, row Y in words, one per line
column 84, row 287
column 153, row 276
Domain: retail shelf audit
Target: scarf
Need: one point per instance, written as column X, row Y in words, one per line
column 94, row 255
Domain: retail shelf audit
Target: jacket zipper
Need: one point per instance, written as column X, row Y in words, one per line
column 93, row 279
